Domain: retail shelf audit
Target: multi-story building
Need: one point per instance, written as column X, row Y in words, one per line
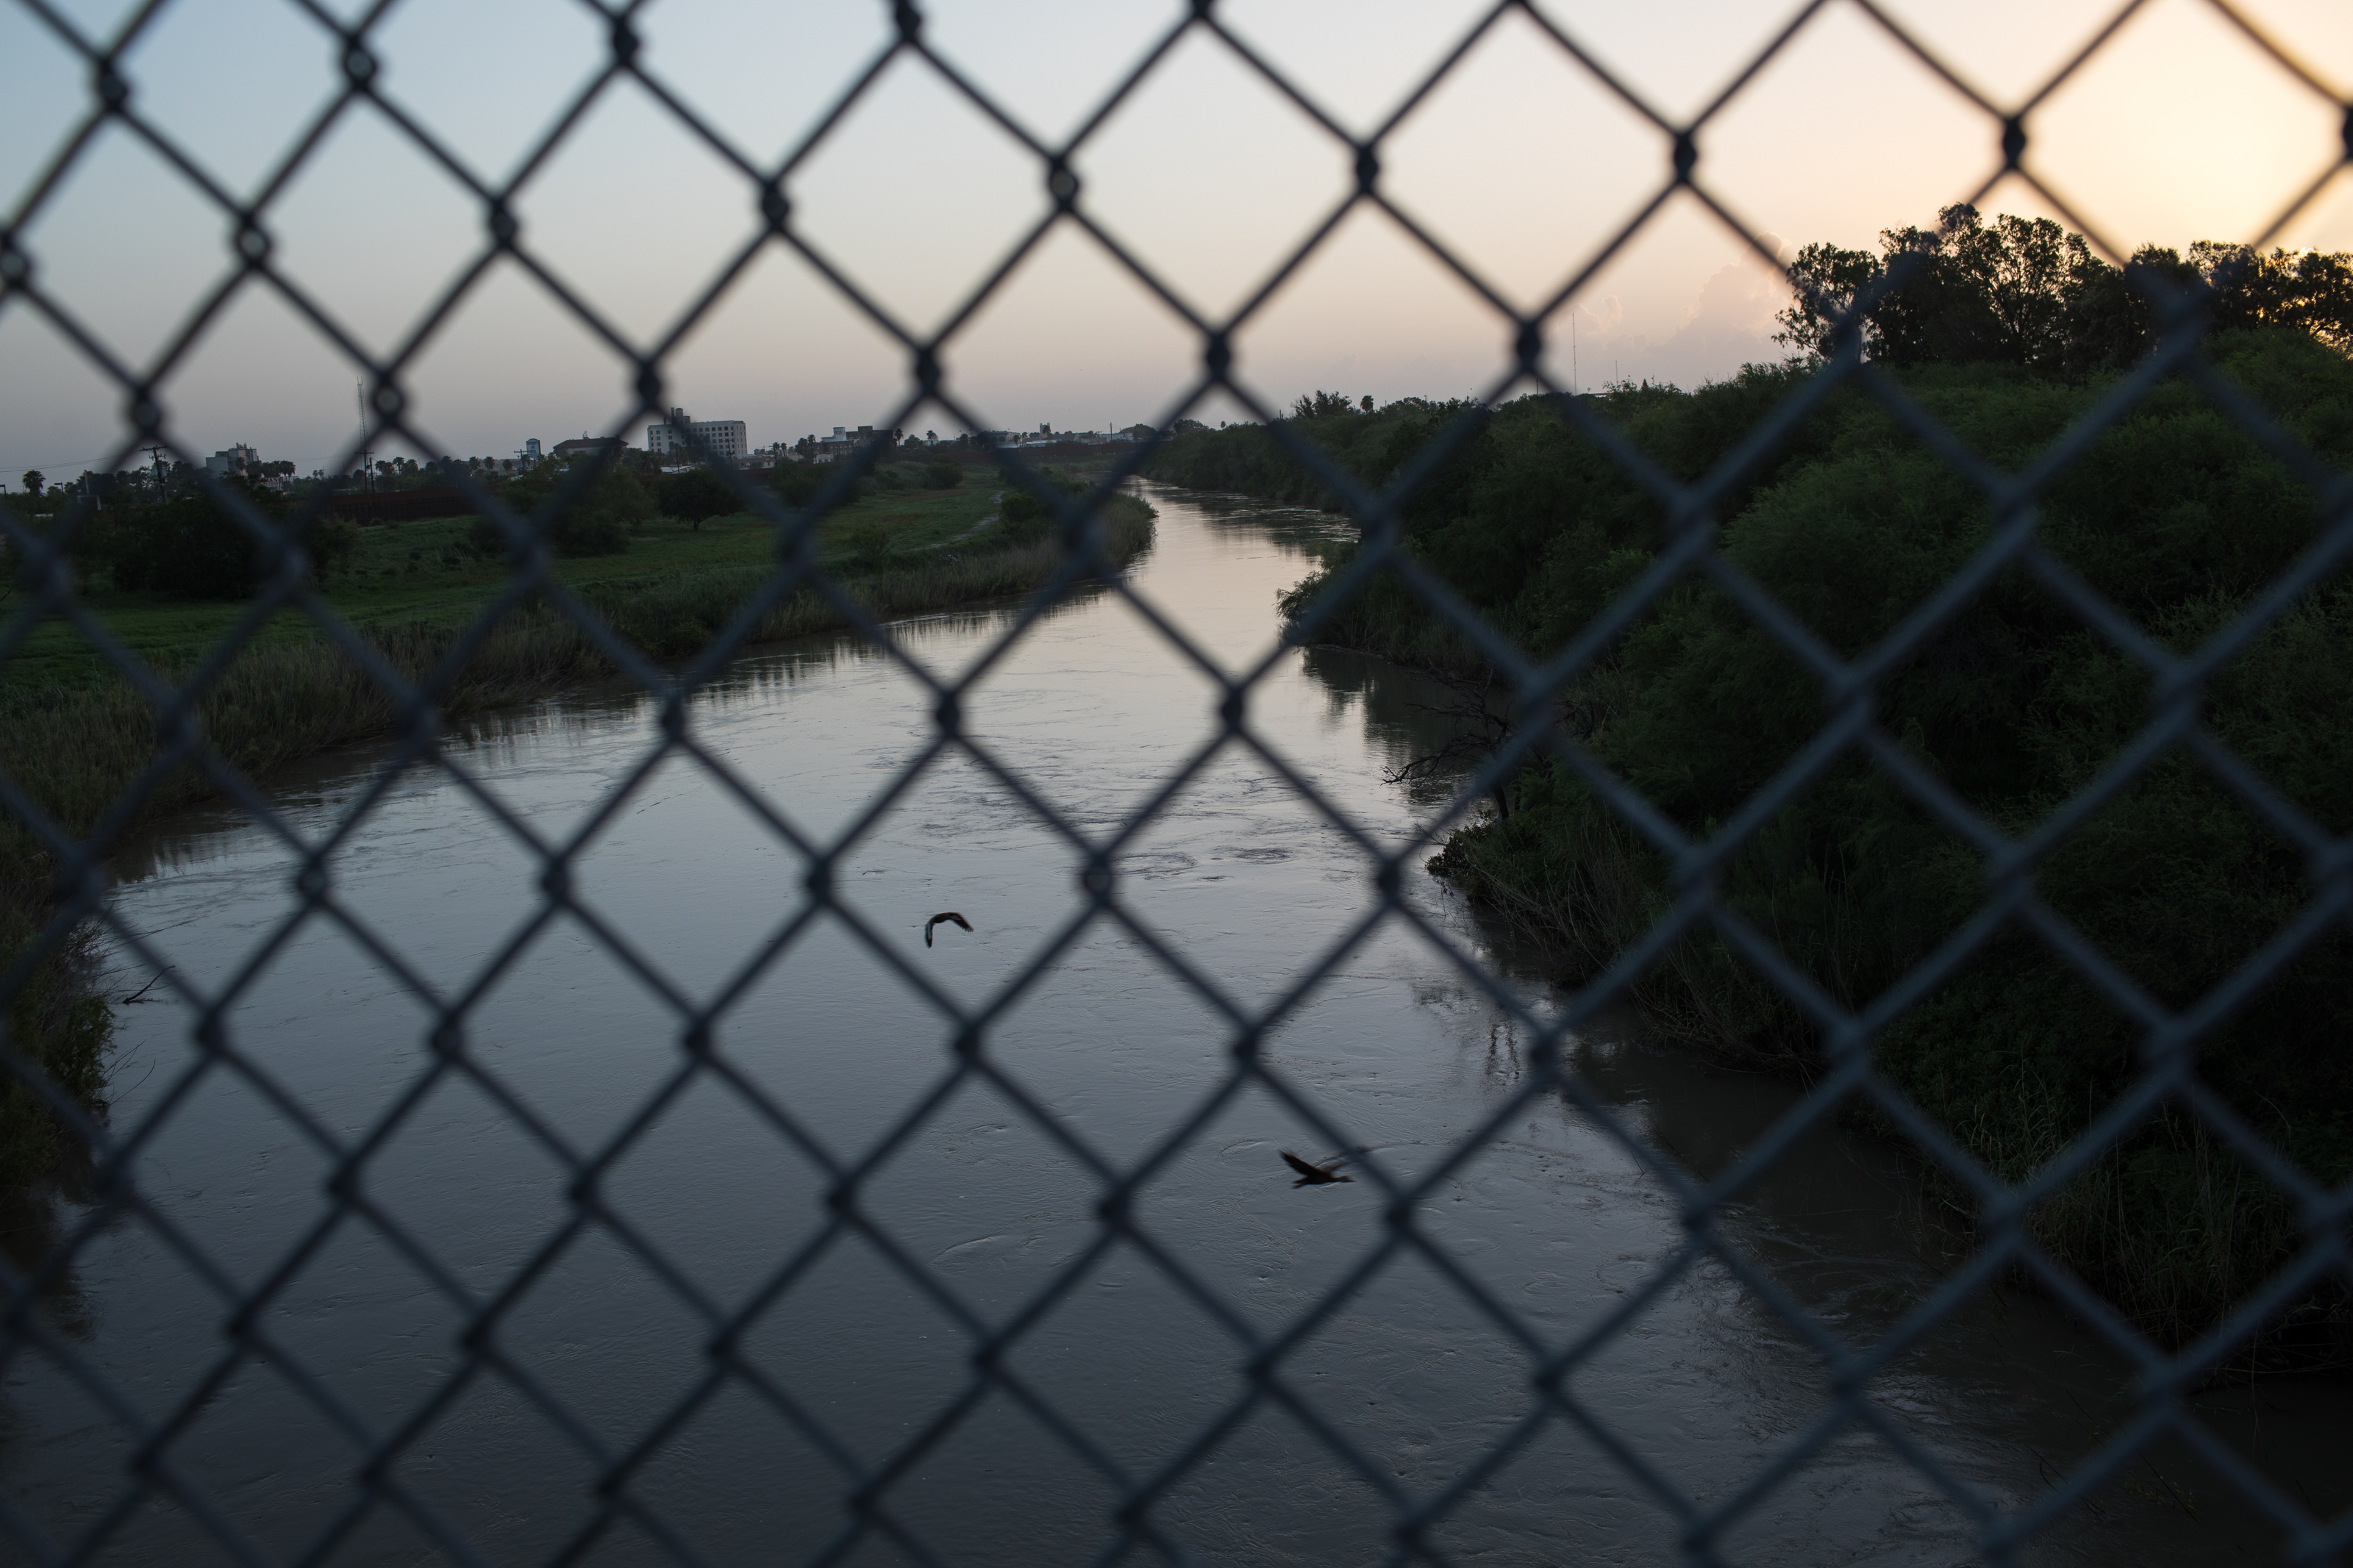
column 841, row 443
column 720, row 437
column 235, row 459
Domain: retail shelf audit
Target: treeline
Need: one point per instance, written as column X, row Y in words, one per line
column 2175, row 514
column 176, row 541
column 2024, row 291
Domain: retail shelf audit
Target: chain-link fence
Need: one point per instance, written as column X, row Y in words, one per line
column 870, row 1489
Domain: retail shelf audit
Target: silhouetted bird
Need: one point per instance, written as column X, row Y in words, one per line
column 1314, row 1175
column 947, row 915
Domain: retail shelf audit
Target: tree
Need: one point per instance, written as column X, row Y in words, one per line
column 2024, row 291
column 34, row 481
column 1320, row 405
column 943, row 476
column 1480, row 731
column 2312, row 290
column 696, row 496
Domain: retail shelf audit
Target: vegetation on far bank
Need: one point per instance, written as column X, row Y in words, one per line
column 2175, row 514
column 436, row 572
column 74, row 734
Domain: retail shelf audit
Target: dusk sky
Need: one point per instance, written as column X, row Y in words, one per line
column 1521, row 162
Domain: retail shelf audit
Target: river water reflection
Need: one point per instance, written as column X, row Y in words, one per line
column 1248, row 886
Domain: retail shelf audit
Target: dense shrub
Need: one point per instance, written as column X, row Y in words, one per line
column 597, row 522
column 189, row 547
column 795, row 483
column 1025, row 518
column 2175, row 515
column 943, row 476
column 332, row 543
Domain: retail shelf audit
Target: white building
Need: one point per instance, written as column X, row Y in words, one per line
column 721, row 437
column 235, row 459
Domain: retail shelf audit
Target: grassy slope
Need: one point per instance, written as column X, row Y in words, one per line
column 425, row 573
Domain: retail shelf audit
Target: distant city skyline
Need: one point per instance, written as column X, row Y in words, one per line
column 1521, row 162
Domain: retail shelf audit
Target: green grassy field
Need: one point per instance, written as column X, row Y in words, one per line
column 426, row 573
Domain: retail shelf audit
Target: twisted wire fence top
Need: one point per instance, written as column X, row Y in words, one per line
column 1851, row 726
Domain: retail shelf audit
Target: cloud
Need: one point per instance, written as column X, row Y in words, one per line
column 1730, row 323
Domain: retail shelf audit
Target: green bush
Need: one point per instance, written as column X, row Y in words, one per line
column 795, row 483
column 188, row 547
column 597, row 522
column 332, row 543
column 590, row 531
column 2174, row 514
column 866, row 545
column 57, row 1022
column 943, row 476
column 185, row 547
column 1026, row 519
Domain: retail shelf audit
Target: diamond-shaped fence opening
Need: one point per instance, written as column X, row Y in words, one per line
column 543, row 1135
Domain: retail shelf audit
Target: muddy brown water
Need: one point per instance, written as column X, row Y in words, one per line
column 851, row 1350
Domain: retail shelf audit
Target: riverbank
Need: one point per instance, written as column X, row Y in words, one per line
column 436, row 572
column 2014, row 704
column 74, row 746
column 1244, row 877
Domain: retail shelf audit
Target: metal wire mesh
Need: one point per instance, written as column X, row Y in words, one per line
column 1848, row 687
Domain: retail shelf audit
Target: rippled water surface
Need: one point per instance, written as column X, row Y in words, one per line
column 708, row 1220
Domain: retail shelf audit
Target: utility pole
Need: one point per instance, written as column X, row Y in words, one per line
column 367, row 469
column 155, row 454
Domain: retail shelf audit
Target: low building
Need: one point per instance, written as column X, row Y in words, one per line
column 588, row 445
column 833, row 448
column 719, row 437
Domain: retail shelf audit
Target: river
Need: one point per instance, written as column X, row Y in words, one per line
column 853, row 1347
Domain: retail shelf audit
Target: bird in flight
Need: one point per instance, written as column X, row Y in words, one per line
column 944, row 915
column 1314, row 1175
